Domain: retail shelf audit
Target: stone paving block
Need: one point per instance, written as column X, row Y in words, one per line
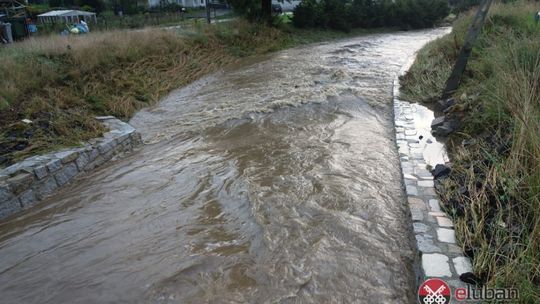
column 424, row 176
column 417, row 207
column 67, row 156
column 436, row 265
column 420, row 228
column 67, row 173
column 434, row 205
column 106, row 146
column 410, row 182
column 28, row 198
column 5, row 193
column 92, row 154
column 41, row 172
column 46, row 187
column 20, row 182
column 54, row 165
column 417, row 215
column 462, row 265
column 444, row 221
column 425, row 243
column 10, row 207
column 123, row 137
column 425, row 183
column 428, row 191
column 418, row 202
column 82, row 161
column 411, row 190
column 12, row 170
column 453, row 248
column 96, row 163
column 430, row 219
column 446, row 235
column 410, row 132
column 410, row 176
column 417, row 155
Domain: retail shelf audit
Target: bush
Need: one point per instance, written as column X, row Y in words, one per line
column 308, row 14
column 334, row 15
column 344, row 15
column 421, row 13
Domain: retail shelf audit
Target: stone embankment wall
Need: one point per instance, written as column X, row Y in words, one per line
column 33, row 179
column 439, row 256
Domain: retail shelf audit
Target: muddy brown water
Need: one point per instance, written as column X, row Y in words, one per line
column 275, row 181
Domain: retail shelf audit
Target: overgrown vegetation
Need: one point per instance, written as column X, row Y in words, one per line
column 493, row 191
column 345, row 15
column 61, row 83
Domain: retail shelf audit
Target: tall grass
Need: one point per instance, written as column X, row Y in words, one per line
column 493, row 191
column 61, row 83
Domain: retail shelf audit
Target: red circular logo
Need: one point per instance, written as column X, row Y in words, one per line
column 434, row 291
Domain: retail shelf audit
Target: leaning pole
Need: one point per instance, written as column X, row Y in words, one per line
column 472, row 33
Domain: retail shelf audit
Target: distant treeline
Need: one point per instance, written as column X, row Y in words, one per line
column 345, row 15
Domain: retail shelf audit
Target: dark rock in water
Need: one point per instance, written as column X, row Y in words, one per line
column 437, row 122
column 447, row 127
column 440, row 171
column 443, row 131
column 445, row 104
column 469, row 278
column 469, row 252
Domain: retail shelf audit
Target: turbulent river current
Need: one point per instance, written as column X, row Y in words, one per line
column 273, row 181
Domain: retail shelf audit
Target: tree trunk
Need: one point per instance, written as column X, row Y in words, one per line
column 266, row 10
column 472, row 33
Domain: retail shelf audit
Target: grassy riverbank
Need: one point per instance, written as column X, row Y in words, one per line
column 493, row 191
column 61, row 83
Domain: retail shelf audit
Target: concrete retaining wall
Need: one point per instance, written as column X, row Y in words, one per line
column 33, row 179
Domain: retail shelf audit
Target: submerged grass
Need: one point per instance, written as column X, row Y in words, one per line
column 61, row 83
column 493, row 191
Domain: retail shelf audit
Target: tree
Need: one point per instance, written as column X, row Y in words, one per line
column 97, row 5
column 266, row 7
column 260, row 10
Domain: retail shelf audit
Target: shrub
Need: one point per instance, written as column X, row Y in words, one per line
column 344, row 15
column 308, row 14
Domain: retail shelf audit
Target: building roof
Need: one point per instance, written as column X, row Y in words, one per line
column 66, row 13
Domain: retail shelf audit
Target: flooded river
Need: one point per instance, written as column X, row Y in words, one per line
column 275, row 181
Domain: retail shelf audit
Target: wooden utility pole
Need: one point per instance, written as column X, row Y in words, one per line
column 472, row 33
column 208, row 18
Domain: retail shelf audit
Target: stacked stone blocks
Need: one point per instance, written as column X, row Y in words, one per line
column 35, row 178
